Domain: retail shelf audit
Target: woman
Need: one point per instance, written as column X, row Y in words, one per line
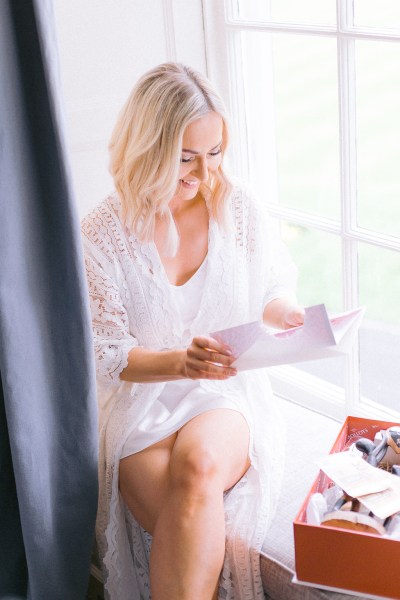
column 188, row 446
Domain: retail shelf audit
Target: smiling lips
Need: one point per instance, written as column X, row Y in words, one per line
column 189, row 183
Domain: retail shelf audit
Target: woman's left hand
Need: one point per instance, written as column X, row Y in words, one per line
column 293, row 316
column 283, row 313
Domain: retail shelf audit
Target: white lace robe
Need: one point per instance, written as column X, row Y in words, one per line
column 132, row 305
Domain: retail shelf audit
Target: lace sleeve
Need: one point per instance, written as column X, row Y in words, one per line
column 269, row 261
column 112, row 339
column 282, row 272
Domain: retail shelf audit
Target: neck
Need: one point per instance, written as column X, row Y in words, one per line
column 177, row 205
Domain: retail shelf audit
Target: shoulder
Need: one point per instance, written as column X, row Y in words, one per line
column 99, row 216
column 244, row 202
column 102, row 227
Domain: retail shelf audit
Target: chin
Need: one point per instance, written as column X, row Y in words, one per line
column 183, row 194
column 190, row 195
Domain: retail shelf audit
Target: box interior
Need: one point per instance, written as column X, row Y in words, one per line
column 339, row 558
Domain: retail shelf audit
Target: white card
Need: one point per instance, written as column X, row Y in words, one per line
column 320, row 337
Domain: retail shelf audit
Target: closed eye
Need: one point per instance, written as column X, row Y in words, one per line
column 191, row 158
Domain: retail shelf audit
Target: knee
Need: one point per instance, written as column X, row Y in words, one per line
column 196, row 471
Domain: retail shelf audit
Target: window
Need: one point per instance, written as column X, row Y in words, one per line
column 314, row 87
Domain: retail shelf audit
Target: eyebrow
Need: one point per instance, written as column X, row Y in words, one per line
column 195, row 152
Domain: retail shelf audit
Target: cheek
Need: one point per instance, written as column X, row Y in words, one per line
column 184, row 169
column 215, row 163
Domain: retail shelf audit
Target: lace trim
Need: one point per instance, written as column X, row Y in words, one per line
column 111, row 338
column 159, row 294
column 113, row 541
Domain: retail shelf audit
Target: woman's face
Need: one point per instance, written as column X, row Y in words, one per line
column 201, row 154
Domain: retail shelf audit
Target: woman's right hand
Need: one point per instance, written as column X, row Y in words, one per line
column 206, row 358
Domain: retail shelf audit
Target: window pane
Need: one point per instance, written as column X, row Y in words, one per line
column 380, row 331
column 289, row 11
column 318, row 258
column 377, row 13
column 380, row 283
column 292, row 119
column 378, row 135
column 332, row 370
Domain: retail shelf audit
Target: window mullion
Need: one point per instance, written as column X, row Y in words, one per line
column 348, row 183
column 169, row 27
column 238, row 107
column 226, row 45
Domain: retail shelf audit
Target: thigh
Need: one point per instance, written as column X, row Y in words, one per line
column 220, row 439
column 143, row 481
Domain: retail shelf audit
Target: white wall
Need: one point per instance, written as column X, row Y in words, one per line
column 104, row 47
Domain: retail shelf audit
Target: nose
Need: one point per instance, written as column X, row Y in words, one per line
column 201, row 168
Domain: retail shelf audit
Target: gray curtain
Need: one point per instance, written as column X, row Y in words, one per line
column 48, row 417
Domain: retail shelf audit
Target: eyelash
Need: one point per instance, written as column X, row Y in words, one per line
column 188, row 160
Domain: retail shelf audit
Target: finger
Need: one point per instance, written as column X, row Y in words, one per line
column 299, row 316
column 210, row 356
column 212, row 344
column 215, row 357
column 209, row 370
column 223, row 373
column 295, row 317
column 213, row 368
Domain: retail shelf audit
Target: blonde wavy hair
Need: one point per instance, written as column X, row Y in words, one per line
column 146, row 144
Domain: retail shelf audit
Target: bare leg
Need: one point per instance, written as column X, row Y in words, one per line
column 144, row 481
column 186, row 514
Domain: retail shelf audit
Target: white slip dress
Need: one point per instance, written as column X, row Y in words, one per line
column 181, row 400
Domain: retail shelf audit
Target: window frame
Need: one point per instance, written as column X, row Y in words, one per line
column 222, row 29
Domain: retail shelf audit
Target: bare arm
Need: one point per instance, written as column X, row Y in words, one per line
column 205, row 358
column 282, row 313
